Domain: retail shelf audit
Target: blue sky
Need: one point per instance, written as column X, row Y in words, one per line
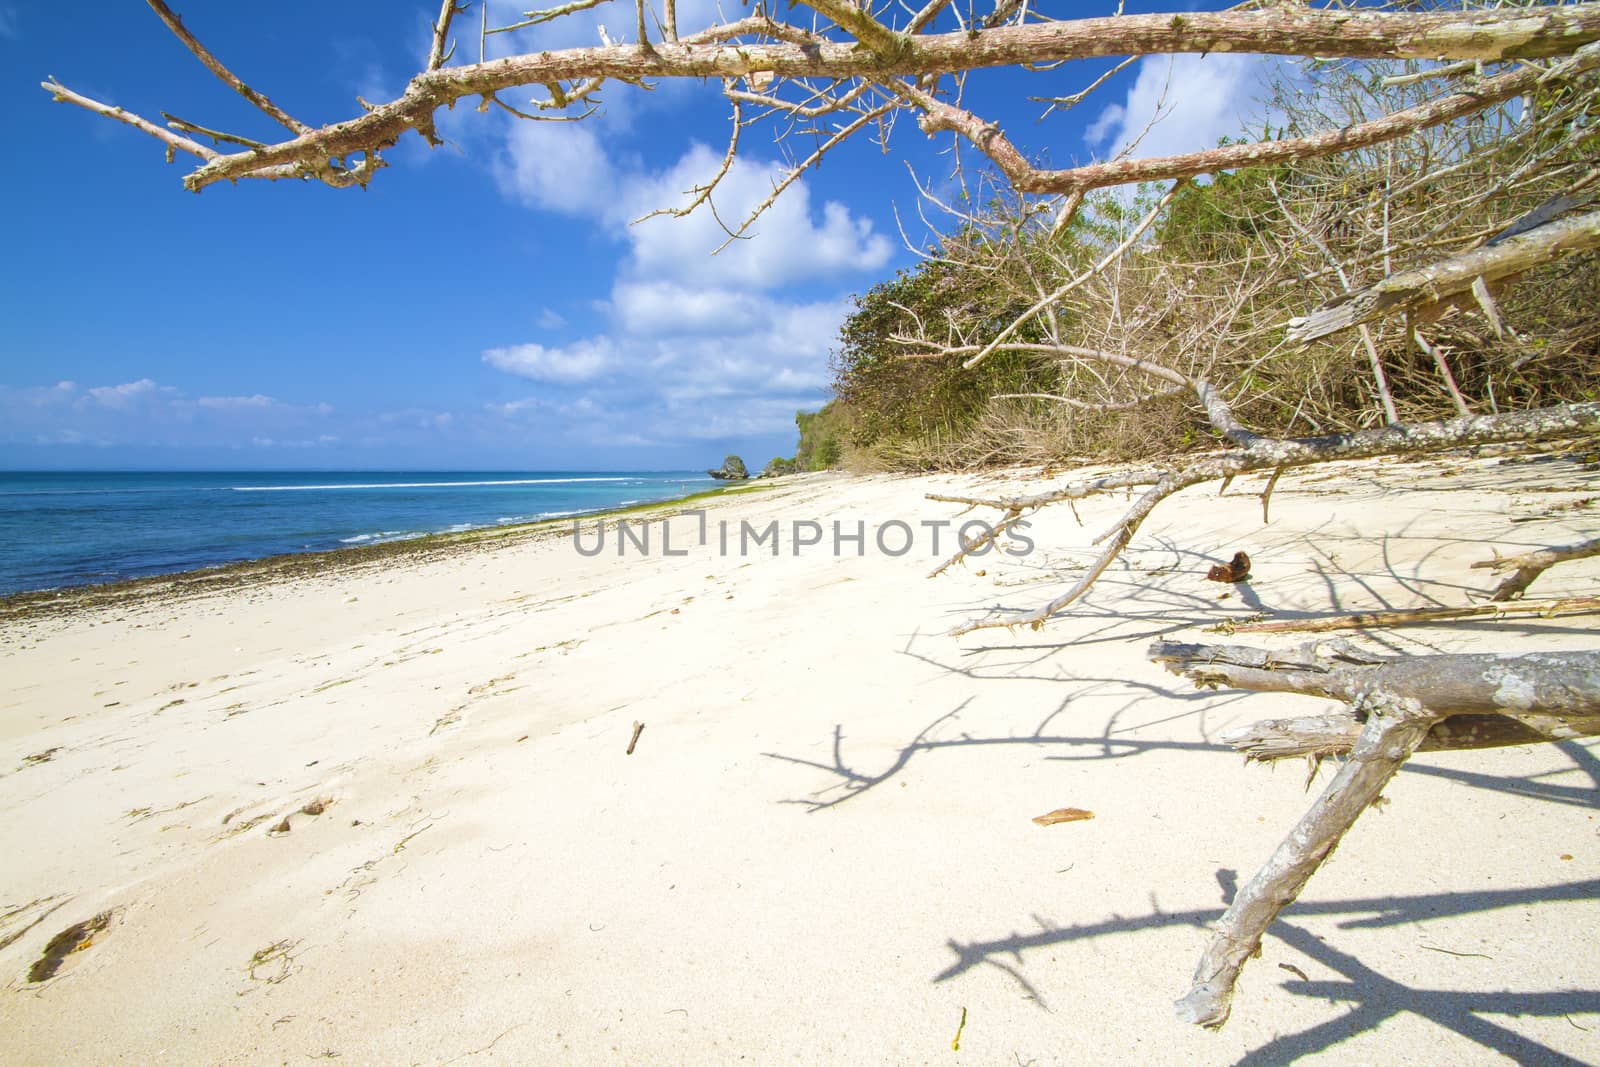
column 485, row 305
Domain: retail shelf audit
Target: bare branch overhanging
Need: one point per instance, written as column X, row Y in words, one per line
column 762, row 46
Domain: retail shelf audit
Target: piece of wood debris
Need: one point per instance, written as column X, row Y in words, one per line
column 1063, row 815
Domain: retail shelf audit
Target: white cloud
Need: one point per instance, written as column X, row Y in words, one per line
column 577, row 362
column 786, row 244
column 145, row 412
column 565, row 168
column 556, row 166
column 1101, row 128
column 686, row 362
column 229, row 403
column 666, row 308
column 126, row 394
column 692, row 345
column 1195, row 99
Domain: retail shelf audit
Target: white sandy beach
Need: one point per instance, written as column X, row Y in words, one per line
column 821, row 850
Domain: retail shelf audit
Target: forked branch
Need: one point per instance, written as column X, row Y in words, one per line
column 1401, row 704
column 226, row 76
column 1528, row 566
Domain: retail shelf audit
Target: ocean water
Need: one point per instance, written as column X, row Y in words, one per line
column 77, row 528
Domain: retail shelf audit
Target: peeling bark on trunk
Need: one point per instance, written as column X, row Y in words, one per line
column 1560, row 684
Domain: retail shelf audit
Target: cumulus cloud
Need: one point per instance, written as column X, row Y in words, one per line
column 556, row 166
column 688, row 363
column 126, row 394
column 1195, row 100
column 664, row 307
column 693, row 345
column 787, row 244
column 689, row 345
column 564, row 168
column 578, row 362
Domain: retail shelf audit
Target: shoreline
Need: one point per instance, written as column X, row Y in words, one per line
column 284, row 566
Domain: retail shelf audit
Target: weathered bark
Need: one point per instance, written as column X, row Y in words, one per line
column 1530, row 565
column 1450, row 278
column 1482, row 700
column 1392, row 732
column 1559, row 684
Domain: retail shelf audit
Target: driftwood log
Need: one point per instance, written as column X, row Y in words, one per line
column 1397, row 705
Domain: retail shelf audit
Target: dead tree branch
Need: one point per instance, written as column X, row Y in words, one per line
column 1398, row 702
column 226, row 76
column 1027, row 179
column 1558, row 684
column 1364, row 620
column 884, row 54
column 1316, row 736
column 439, row 55
column 1450, row 279
column 1530, row 565
column 1264, row 453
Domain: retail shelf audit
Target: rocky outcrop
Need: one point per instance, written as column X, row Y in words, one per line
column 732, row 470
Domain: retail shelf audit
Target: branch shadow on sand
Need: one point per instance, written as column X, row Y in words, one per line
column 1372, row 996
column 852, row 781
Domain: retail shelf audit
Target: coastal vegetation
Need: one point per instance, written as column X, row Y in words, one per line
column 1213, row 287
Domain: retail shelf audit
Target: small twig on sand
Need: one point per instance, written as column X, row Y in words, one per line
column 638, row 728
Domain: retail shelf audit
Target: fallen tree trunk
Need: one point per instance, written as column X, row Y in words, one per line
column 1397, row 704
column 1552, row 683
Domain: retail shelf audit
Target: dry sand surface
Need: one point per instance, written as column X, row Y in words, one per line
column 384, row 814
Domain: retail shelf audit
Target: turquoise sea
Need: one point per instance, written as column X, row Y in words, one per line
column 76, row 528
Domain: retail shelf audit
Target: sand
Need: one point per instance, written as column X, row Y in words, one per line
column 383, row 812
